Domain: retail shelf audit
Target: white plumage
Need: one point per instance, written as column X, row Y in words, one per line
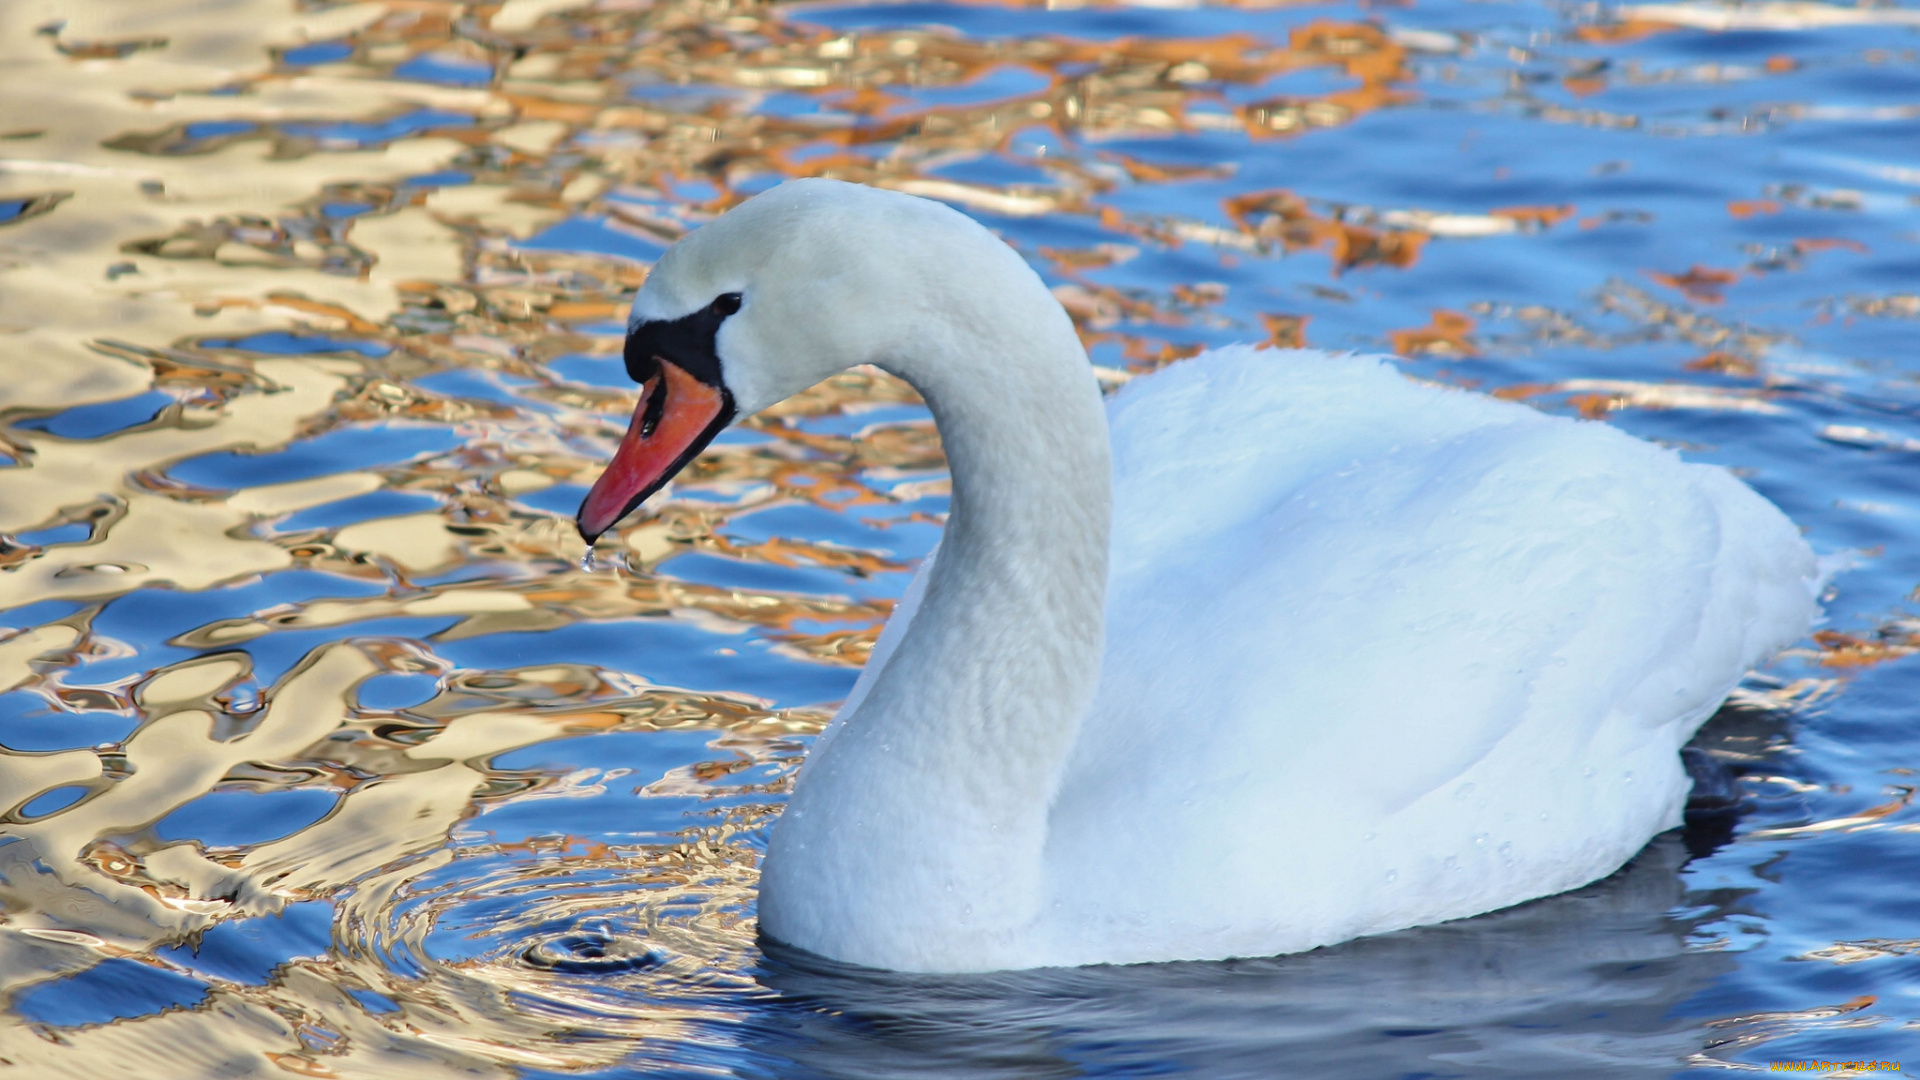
column 1393, row 654
column 1357, row 654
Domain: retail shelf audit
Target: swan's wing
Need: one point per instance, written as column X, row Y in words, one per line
column 1339, row 597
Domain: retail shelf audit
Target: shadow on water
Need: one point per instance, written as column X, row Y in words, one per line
column 1578, row 985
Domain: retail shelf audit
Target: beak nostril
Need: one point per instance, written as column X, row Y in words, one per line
column 656, row 391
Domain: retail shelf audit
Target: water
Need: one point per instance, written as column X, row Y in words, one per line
column 330, row 751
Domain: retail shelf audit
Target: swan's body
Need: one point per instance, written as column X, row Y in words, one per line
column 1356, row 653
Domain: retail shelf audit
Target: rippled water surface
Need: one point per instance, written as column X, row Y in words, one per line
column 323, row 755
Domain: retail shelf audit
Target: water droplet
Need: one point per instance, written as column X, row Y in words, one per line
column 590, row 953
column 1452, row 862
column 1480, row 839
column 1629, row 776
column 1506, row 852
column 1463, row 791
column 586, row 561
column 1370, row 836
column 1587, row 772
column 1393, row 876
column 100, row 568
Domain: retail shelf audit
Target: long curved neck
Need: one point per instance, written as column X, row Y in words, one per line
column 923, row 819
column 1003, row 654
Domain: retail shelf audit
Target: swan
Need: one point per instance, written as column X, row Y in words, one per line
column 1268, row 651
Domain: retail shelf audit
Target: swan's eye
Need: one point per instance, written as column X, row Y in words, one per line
column 726, row 304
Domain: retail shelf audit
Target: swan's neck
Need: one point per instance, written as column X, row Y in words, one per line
column 924, row 816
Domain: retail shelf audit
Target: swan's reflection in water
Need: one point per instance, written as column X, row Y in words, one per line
column 1590, row 983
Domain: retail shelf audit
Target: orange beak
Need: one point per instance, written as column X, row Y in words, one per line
column 677, row 416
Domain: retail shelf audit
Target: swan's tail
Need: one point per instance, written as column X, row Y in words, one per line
column 1828, row 567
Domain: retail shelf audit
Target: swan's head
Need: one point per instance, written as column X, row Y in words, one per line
column 798, row 283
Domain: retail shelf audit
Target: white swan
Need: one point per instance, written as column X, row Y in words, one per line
column 1362, row 653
